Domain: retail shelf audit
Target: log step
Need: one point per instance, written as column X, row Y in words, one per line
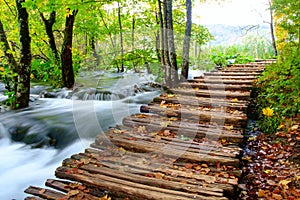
column 198, row 116
column 221, row 81
column 44, row 193
column 182, row 132
column 240, row 95
column 167, row 138
column 237, row 69
column 202, row 101
column 131, row 175
column 225, row 77
column 232, row 74
column 209, row 86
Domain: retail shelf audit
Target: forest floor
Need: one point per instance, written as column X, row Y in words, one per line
column 271, row 164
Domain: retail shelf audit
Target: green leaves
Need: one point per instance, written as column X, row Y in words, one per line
column 279, row 89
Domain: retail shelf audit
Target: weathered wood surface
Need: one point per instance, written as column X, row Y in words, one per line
column 240, row 95
column 220, row 73
column 225, row 77
column 190, row 129
column 221, row 81
column 216, row 86
column 186, row 146
column 198, row 116
column 203, row 101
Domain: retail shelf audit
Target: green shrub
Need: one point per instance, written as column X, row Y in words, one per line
column 279, row 89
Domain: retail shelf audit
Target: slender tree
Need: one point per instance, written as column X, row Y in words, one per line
column 48, row 23
column 23, row 84
column 66, row 55
column 272, row 28
column 186, row 44
column 121, row 37
column 171, row 41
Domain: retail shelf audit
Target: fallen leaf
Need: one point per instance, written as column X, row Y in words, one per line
column 42, row 191
column 159, row 175
column 295, row 127
column 189, row 166
column 204, row 165
column 106, row 197
column 73, row 193
column 271, row 182
column 123, row 151
column 284, row 182
column 261, row 193
column 276, row 196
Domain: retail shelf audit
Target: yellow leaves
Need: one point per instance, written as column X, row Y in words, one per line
column 284, row 182
column 170, row 95
column 69, row 12
column 1, row 69
column 31, row 75
column 73, row 193
column 268, row 112
column 165, row 124
column 261, row 193
column 228, row 128
column 267, row 171
column 106, row 197
column 122, row 150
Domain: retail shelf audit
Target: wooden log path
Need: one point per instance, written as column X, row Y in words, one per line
column 185, row 144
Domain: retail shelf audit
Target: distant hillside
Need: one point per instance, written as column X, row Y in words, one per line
column 226, row 34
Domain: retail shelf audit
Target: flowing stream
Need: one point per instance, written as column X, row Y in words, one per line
column 34, row 141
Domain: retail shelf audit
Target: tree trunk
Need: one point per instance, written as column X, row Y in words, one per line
column 172, row 51
column 157, row 39
column 49, row 30
column 162, row 41
column 168, row 75
column 23, row 85
column 10, row 59
column 133, row 42
column 66, row 55
column 121, row 37
column 186, row 44
column 93, row 47
column 272, row 30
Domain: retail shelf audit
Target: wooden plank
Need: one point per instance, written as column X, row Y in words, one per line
column 44, row 193
column 225, row 77
column 225, row 81
column 245, row 95
column 126, row 188
column 209, row 86
column 198, row 115
column 209, row 134
column 149, row 147
column 33, row 198
column 244, row 69
column 202, row 101
column 121, row 174
column 74, row 188
column 160, row 140
column 232, row 74
column 149, row 165
column 135, row 163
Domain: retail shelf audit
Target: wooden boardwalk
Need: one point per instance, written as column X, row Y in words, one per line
column 183, row 145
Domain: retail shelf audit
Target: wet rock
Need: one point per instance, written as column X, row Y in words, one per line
column 46, row 94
